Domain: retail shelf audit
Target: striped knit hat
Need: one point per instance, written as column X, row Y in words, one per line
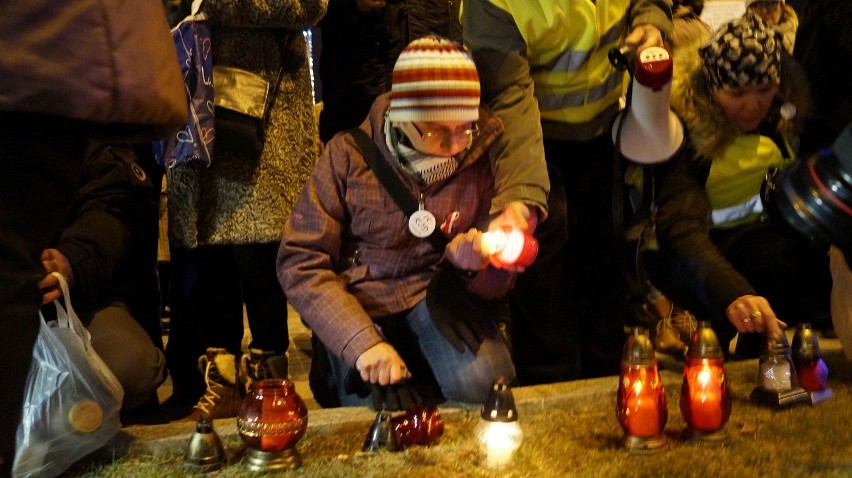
column 434, row 79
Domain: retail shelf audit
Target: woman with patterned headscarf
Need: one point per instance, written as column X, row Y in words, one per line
column 721, row 253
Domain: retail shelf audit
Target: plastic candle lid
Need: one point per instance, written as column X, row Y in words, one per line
column 86, row 416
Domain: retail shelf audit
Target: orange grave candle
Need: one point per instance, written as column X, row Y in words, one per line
column 641, row 401
column 705, row 403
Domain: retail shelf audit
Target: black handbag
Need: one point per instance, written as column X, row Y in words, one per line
column 242, row 101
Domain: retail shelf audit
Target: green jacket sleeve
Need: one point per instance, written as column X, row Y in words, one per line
column 655, row 12
column 507, row 88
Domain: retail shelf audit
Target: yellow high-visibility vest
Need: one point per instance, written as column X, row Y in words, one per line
column 567, row 45
column 733, row 185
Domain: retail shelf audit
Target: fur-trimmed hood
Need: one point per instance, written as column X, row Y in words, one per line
column 787, row 27
column 708, row 130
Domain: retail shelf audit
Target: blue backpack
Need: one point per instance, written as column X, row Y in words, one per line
column 193, row 143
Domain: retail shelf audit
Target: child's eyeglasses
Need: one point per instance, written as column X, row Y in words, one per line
column 435, row 136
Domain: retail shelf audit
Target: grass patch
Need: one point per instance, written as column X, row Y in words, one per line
column 576, row 437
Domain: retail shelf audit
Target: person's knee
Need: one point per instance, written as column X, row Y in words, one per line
column 129, row 353
column 140, row 372
column 472, row 384
column 475, row 390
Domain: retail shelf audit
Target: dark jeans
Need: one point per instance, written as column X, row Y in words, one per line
column 566, row 307
column 40, row 162
column 210, row 284
column 783, row 266
column 439, row 371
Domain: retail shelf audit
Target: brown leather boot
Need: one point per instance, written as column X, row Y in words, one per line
column 259, row 364
column 222, row 398
column 684, row 322
column 666, row 336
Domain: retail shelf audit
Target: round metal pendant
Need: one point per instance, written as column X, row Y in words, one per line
column 421, row 223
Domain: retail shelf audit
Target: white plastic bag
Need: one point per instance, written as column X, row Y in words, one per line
column 71, row 400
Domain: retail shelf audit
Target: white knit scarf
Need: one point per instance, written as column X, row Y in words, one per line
column 427, row 169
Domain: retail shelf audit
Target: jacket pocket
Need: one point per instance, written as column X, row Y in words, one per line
column 376, row 220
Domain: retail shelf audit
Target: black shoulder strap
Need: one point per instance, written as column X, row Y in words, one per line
column 392, row 184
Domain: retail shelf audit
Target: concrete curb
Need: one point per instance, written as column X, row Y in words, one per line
column 168, row 438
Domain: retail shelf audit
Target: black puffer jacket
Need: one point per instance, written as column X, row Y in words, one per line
column 683, row 218
column 359, row 51
column 110, row 238
column 824, row 47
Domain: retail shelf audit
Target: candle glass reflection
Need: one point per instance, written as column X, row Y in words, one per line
column 498, row 431
column 777, row 383
column 811, row 369
column 704, row 401
column 510, row 247
column 641, row 401
column 271, row 419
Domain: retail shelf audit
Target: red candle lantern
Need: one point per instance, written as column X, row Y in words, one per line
column 271, row 419
column 510, row 247
column 419, row 425
column 704, row 399
column 811, row 370
column 641, row 403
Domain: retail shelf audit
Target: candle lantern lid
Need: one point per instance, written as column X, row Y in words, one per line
column 638, row 349
column 204, row 451
column 805, row 344
column 779, row 346
column 381, row 435
column 704, row 343
column 500, row 404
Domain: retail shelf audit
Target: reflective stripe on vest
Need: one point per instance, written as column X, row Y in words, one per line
column 736, row 176
column 738, row 212
column 567, row 45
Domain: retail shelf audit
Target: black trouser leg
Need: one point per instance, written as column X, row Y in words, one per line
column 266, row 304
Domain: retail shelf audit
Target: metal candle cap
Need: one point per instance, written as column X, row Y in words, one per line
column 778, row 346
column 381, row 435
column 638, row 349
column 204, row 450
column 805, row 344
column 500, row 404
column 704, row 343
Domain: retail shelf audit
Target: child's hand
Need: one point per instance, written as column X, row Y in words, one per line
column 465, row 251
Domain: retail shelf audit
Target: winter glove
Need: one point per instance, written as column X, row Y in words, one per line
column 399, row 396
column 393, row 398
column 459, row 316
column 353, row 383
